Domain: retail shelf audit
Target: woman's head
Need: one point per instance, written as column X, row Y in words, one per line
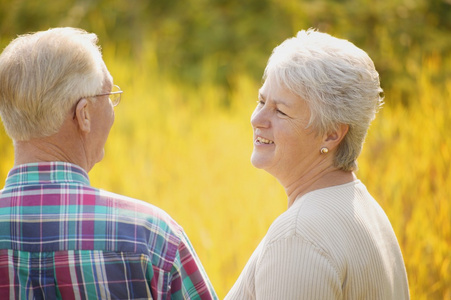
column 42, row 75
column 337, row 80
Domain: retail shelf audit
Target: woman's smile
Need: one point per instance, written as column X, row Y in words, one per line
column 262, row 141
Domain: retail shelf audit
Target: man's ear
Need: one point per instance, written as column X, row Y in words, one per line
column 333, row 139
column 82, row 116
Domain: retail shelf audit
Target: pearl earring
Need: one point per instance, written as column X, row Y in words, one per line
column 324, row 150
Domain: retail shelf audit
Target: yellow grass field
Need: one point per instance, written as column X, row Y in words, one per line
column 186, row 149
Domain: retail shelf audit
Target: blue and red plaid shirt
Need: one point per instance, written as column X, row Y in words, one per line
column 60, row 238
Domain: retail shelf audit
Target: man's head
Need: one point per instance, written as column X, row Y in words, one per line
column 54, row 97
column 43, row 75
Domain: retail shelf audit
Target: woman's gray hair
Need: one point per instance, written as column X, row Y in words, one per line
column 337, row 80
column 43, row 75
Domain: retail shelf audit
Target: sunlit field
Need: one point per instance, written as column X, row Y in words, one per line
column 186, row 149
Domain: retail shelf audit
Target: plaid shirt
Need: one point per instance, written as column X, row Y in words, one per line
column 60, row 238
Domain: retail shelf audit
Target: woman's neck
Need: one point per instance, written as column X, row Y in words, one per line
column 328, row 177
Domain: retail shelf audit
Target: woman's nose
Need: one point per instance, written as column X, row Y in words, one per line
column 260, row 118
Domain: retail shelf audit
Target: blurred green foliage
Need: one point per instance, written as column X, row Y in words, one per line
column 198, row 40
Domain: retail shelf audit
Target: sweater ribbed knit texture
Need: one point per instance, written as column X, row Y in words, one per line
column 332, row 243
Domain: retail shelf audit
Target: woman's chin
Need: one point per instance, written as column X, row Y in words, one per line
column 258, row 162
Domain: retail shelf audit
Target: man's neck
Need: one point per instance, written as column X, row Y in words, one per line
column 51, row 148
column 38, row 150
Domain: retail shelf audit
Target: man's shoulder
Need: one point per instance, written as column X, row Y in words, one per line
column 147, row 225
column 142, row 213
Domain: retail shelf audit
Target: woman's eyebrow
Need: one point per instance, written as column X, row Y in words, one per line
column 281, row 102
column 276, row 101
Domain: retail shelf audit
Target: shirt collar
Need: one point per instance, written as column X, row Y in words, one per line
column 46, row 173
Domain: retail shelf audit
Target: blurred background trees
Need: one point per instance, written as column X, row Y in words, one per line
column 223, row 37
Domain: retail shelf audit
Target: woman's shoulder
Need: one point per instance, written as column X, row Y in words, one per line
column 320, row 212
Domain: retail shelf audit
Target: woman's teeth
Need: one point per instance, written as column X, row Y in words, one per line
column 264, row 141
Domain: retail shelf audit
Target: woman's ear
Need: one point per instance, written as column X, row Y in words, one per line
column 82, row 116
column 334, row 138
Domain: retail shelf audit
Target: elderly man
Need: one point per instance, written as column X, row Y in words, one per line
column 61, row 238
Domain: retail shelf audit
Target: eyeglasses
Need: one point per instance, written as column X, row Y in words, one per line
column 115, row 95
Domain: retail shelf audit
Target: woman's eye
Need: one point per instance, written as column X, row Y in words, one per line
column 281, row 112
column 260, row 102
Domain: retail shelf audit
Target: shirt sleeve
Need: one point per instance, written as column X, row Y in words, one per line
column 188, row 277
column 293, row 268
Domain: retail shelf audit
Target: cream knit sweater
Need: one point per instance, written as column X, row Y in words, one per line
column 333, row 243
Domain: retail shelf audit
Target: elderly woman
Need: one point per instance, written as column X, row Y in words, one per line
column 334, row 241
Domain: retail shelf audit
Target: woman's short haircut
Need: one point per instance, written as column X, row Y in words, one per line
column 337, row 80
column 43, row 75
